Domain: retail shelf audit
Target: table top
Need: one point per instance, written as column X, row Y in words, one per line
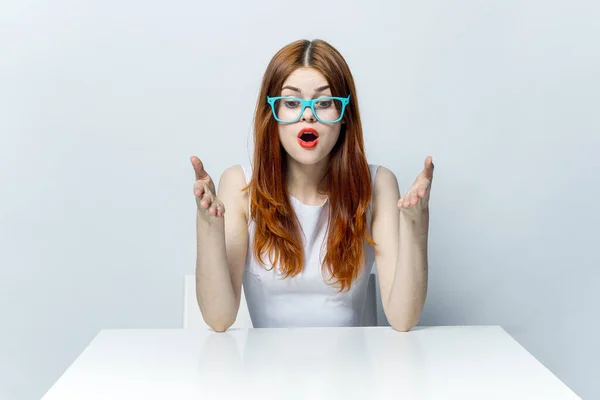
column 445, row 362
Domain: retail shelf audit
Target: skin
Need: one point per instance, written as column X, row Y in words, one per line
column 399, row 225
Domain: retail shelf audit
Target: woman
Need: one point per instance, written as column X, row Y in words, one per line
column 303, row 225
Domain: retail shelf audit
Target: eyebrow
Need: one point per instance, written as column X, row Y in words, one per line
column 295, row 89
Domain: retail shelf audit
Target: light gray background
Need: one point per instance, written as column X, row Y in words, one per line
column 102, row 103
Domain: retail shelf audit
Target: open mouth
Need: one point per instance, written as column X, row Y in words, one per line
column 308, row 138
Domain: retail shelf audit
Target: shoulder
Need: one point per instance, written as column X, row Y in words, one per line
column 231, row 190
column 385, row 187
column 384, row 179
column 234, row 175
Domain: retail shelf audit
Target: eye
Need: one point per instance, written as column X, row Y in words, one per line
column 324, row 103
column 291, row 103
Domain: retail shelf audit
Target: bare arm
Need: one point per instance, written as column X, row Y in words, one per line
column 400, row 229
column 221, row 249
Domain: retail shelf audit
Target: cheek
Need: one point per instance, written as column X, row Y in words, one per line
column 285, row 134
column 333, row 136
column 287, row 138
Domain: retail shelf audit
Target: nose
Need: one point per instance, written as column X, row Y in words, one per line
column 307, row 115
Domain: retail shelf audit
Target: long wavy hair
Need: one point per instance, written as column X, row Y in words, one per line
column 347, row 182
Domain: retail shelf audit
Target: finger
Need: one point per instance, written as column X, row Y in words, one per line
column 403, row 203
column 421, row 191
column 414, row 198
column 406, row 200
column 207, row 200
column 428, row 168
column 198, row 168
column 213, row 208
column 199, row 189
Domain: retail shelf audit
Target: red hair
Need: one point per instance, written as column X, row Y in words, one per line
column 348, row 178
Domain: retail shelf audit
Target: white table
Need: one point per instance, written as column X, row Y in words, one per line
column 468, row 362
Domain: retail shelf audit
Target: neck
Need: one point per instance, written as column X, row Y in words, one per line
column 304, row 181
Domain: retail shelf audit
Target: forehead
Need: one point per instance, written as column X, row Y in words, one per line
column 306, row 79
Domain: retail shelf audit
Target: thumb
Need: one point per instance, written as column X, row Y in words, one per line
column 198, row 168
column 428, row 168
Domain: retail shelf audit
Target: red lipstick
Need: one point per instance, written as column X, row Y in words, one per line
column 308, row 138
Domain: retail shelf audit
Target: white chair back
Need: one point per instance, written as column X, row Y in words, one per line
column 370, row 311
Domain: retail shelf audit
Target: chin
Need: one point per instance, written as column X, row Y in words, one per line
column 305, row 159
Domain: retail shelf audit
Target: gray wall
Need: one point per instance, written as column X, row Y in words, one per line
column 101, row 105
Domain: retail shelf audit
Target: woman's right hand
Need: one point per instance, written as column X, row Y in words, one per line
column 205, row 193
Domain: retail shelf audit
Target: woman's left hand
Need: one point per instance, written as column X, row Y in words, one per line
column 417, row 197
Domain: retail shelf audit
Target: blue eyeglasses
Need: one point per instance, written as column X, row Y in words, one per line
column 328, row 110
